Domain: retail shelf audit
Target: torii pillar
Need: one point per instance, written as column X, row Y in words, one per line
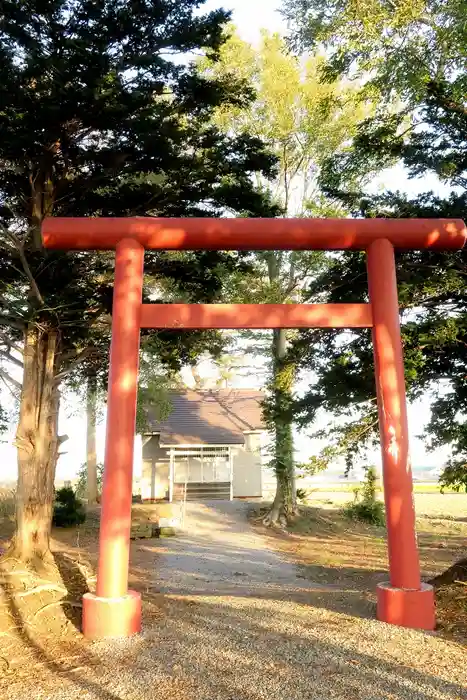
column 116, row 611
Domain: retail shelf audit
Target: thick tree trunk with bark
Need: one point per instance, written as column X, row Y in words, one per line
column 37, row 443
column 91, row 455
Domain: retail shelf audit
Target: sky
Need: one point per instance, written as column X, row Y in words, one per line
column 249, row 16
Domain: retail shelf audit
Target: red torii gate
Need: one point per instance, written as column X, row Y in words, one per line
column 405, row 600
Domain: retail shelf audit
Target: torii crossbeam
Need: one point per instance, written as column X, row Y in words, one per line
column 404, row 600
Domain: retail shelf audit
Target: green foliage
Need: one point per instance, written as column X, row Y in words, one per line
column 303, row 495
column 393, row 48
column 382, row 141
column 370, row 484
column 302, row 119
column 68, row 509
column 99, row 120
column 365, row 512
column 349, row 432
column 454, row 476
column 154, row 392
column 82, row 481
column 366, row 507
column 100, row 117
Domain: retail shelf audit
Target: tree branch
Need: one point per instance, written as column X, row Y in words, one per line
column 8, row 356
column 84, row 355
column 12, row 322
column 30, row 276
column 5, row 376
column 20, row 248
column 292, row 284
column 10, row 345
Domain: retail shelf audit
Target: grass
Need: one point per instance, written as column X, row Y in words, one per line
column 371, row 512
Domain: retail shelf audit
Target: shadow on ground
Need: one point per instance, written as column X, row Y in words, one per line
column 248, row 649
column 241, row 620
column 41, row 651
column 76, row 585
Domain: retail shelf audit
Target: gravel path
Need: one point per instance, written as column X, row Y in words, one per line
column 222, row 555
column 240, row 623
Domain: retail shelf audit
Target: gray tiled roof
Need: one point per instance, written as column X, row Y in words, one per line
column 210, row 417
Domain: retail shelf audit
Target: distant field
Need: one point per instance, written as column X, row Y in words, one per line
column 349, row 488
column 7, row 503
column 447, row 506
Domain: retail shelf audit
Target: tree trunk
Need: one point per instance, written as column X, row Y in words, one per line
column 91, row 456
column 280, row 416
column 199, row 382
column 283, row 375
column 37, row 443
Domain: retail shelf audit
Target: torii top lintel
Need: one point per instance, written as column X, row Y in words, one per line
column 252, row 234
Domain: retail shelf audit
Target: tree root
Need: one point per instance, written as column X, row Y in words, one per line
column 7, row 633
column 57, row 602
column 457, row 573
column 38, row 567
column 274, row 519
column 19, row 572
column 9, row 557
column 39, row 589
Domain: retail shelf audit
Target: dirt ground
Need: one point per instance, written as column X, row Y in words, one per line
column 39, row 631
column 40, row 616
column 330, row 549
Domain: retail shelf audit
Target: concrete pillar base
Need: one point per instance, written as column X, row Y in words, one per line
column 407, row 608
column 111, row 617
